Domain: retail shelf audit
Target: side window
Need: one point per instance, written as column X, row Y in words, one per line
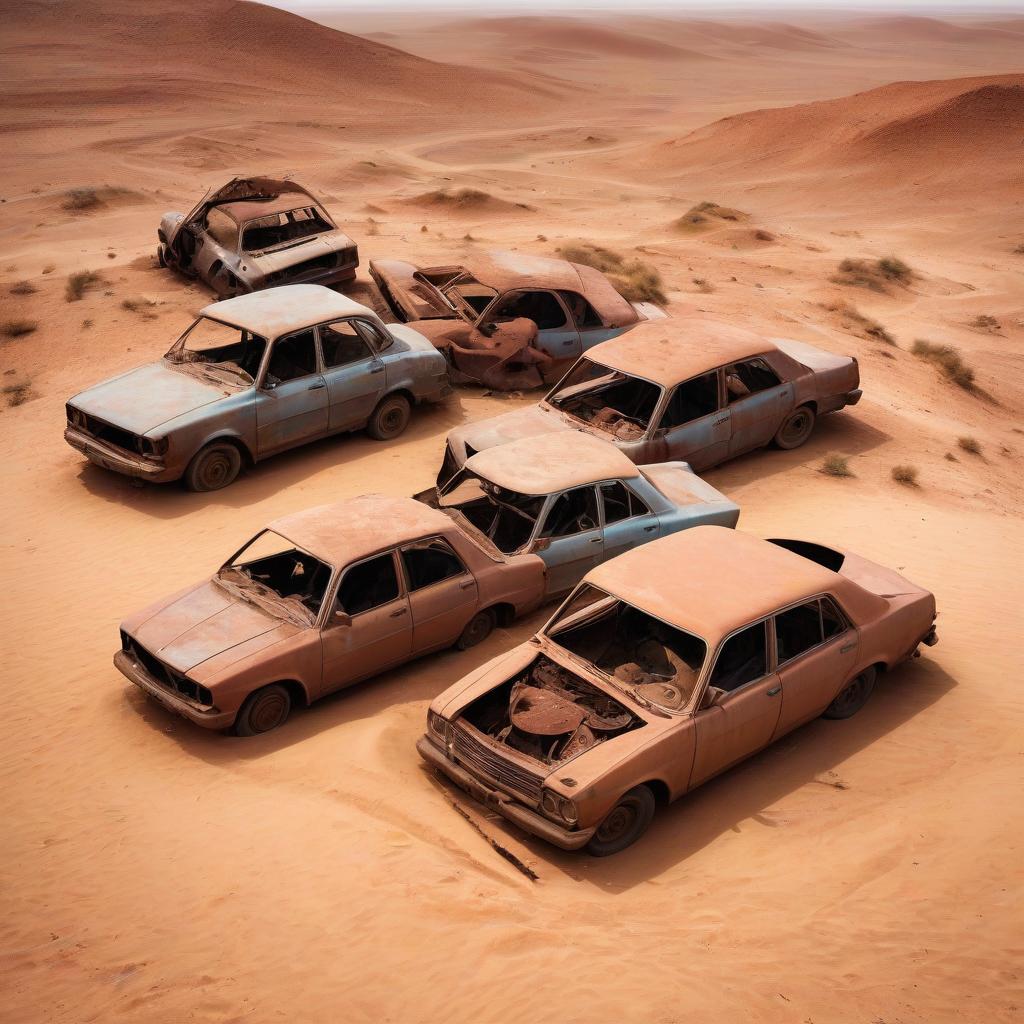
column 430, row 562
column 221, row 228
column 692, row 400
column 293, row 357
column 582, row 311
column 797, row 630
column 743, row 658
column 368, row 585
column 832, row 619
column 540, row 307
column 374, row 336
column 573, row 512
column 749, row 377
column 620, row 503
column 341, row 344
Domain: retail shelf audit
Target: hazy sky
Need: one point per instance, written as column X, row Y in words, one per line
column 705, row 7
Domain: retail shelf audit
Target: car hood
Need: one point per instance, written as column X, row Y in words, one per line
column 299, row 252
column 510, row 426
column 142, row 399
column 208, row 621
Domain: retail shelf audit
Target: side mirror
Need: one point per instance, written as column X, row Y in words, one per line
column 712, row 698
column 341, row 618
column 541, row 544
column 268, row 384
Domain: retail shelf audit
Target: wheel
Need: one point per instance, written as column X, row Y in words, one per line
column 263, row 710
column 626, row 823
column 477, row 630
column 796, row 428
column 390, row 418
column 160, row 256
column 213, row 467
column 854, row 697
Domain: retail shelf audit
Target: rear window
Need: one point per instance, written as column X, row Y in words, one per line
column 817, row 553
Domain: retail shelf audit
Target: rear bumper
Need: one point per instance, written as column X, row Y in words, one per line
column 528, row 820
column 117, row 459
column 852, row 397
column 207, row 719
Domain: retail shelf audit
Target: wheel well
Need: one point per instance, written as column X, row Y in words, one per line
column 813, row 406
column 243, row 448
column 879, row 667
column 504, row 613
column 296, row 691
column 660, row 791
column 404, row 392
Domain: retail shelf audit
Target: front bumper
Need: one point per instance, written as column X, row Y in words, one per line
column 528, row 820
column 116, row 459
column 852, row 397
column 173, row 702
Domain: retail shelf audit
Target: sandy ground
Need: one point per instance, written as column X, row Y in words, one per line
column 862, row 871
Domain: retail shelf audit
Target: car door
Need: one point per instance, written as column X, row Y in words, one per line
column 443, row 593
column 570, row 540
column 375, row 628
column 817, row 651
column 556, row 333
column 625, row 518
column 291, row 401
column 758, row 401
column 591, row 328
column 745, row 712
column 694, row 427
column 354, row 374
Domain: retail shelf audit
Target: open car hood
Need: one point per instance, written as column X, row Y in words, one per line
column 409, row 296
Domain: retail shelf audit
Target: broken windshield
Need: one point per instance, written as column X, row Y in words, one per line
column 219, row 351
column 277, row 229
column 648, row 658
column 505, row 517
column 608, row 399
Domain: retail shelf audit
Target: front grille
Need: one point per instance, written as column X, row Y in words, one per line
column 474, row 753
column 163, row 675
column 104, row 431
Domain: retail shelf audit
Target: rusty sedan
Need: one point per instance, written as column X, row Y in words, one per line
column 253, row 376
column 663, row 668
column 318, row 601
column 702, row 392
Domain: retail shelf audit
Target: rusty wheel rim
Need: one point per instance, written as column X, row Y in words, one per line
column 619, row 822
column 268, row 712
column 392, row 420
column 477, row 630
column 216, row 470
column 851, row 696
column 798, row 427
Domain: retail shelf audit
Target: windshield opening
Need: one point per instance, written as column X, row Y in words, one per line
column 607, row 399
column 274, row 567
column 277, row 228
column 645, row 656
column 212, row 345
column 505, row 517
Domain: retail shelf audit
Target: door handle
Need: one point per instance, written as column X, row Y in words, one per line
column 397, row 614
column 377, row 369
column 596, row 540
column 718, row 423
column 775, row 691
column 316, row 387
column 649, row 529
column 846, row 647
column 571, row 341
column 466, row 584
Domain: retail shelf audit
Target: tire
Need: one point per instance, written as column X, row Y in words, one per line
column 160, row 256
column 390, row 418
column 477, row 630
column 796, row 428
column 853, row 697
column 626, row 822
column 213, row 467
column 263, row 710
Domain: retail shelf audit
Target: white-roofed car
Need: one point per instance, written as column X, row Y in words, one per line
column 253, row 376
column 576, row 501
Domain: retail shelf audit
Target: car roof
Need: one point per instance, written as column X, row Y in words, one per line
column 242, row 210
column 710, row 580
column 276, row 311
column 346, row 531
column 549, row 463
column 668, row 355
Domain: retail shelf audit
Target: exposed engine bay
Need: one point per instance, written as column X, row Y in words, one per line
column 612, row 401
column 550, row 714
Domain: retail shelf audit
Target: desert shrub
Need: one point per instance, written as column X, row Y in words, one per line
column 703, row 285
column 17, row 328
column 18, row 394
column 872, row 275
column 141, row 305
column 894, row 269
column 906, row 475
column 969, row 444
column 23, row 288
column 862, row 324
column 634, row 280
column 948, row 360
column 984, row 322
column 79, row 283
column 705, row 213
column 81, row 199
column 836, row 465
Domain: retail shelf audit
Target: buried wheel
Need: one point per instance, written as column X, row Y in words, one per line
column 213, row 467
column 796, row 428
column 390, row 418
column 626, row 822
column 263, row 710
column 477, row 630
column 853, row 697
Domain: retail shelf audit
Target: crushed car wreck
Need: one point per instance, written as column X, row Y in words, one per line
column 255, row 233
column 318, row 601
column 575, row 501
column 253, row 376
column 663, row 668
column 702, row 392
column 508, row 320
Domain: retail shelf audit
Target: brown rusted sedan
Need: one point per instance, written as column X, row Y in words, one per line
column 664, row 667
column 318, row 601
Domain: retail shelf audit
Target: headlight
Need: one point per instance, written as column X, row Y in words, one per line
column 75, row 418
column 437, row 725
column 154, row 447
column 559, row 807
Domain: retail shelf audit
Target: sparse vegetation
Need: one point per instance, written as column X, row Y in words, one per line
column 906, row 475
column 79, row 283
column 465, row 199
column 969, row 444
column 23, row 288
column 873, row 275
column 895, row 269
column 635, row 280
column 18, row 394
column 851, row 317
column 703, row 285
column 949, row 362
column 81, row 199
column 984, row 322
column 704, row 214
column 836, row 465
column 141, row 305
column 17, row 328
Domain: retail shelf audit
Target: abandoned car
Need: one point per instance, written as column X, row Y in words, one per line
column 505, row 319
column 257, row 233
column 253, row 376
column 702, row 393
column 666, row 666
column 317, row 601
column 575, row 501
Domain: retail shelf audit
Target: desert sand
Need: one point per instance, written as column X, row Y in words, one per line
column 861, row 871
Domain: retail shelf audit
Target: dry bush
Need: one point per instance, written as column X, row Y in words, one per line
column 17, row 328
column 23, row 288
column 79, row 283
column 704, row 214
column 906, row 475
column 141, row 305
column 634, row 280
column 969, row 444
column 836, row 465
column 18, row 394
column 894, row 269
column 81, row 199
column 949, row 362
column 873, row 275
column 864, row 325
column 984, row 322
column 703, row 285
